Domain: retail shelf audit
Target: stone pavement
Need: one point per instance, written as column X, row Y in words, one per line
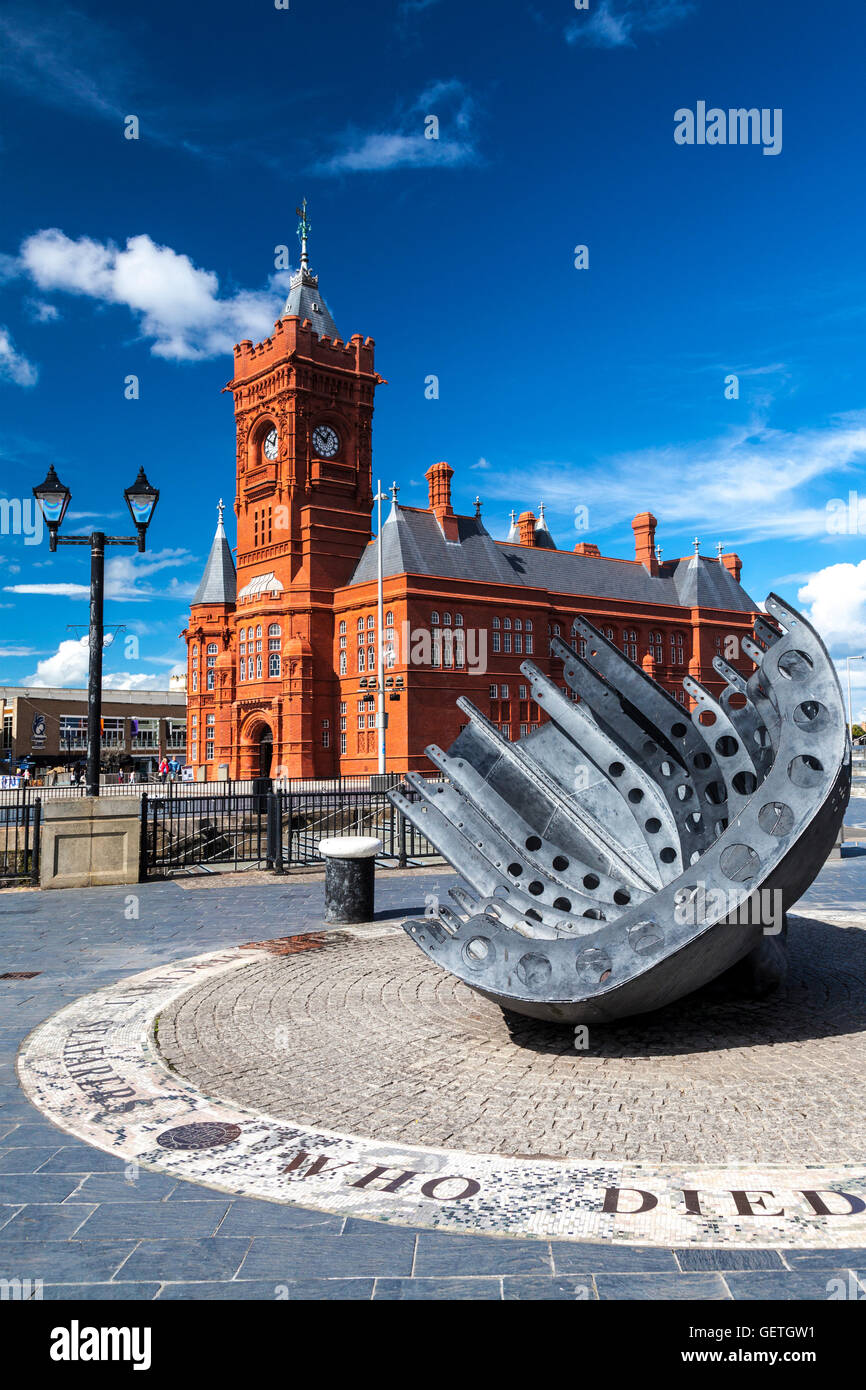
column 77, row 1219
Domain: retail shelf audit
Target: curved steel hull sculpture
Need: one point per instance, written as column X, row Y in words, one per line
column 622, row 854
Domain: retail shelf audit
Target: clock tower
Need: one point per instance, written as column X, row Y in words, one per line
column 303, row 403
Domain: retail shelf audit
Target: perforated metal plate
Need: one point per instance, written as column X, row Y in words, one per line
column 627, row 852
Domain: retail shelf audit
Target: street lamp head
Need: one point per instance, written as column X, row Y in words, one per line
column 53, row 498
column 141, row 499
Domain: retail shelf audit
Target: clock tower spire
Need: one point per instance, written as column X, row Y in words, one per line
column 303, row 403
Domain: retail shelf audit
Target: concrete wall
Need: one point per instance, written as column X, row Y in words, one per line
column 90, row 841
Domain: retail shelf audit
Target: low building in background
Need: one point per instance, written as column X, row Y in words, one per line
column 47, row 728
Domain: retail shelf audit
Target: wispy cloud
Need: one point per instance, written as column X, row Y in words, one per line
column 177, row 304
column 126, row 577
column 40, row 312
column 617, row 23
column 53, row 55
column 754, row 482
column 14, row 366
column 435, row 132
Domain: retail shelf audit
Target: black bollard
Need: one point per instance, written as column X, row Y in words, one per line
column 350, row 869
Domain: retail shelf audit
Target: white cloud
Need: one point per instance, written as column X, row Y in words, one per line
column 482, row 464
column 614, row 23
column 177, row 304
column 394, row 150
column 68, row 666
column 749, row 483
column 408, row 146
column 135, row 680
column 13, row 366
column 40, row 312
column 126, row 578
column 834, row 600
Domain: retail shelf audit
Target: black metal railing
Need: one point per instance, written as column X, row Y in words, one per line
column 225, row 824
column 20, row 820
column 270, row 826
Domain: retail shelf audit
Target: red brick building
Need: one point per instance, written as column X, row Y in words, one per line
column 279, row 645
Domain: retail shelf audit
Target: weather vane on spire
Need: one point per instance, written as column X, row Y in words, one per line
column 221, row 506
column 303, row 231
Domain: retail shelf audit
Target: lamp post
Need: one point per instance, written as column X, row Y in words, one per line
column 848, row 661
column 53, row 498
column 380, row 653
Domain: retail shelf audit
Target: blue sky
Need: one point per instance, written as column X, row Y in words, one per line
column 602, row 387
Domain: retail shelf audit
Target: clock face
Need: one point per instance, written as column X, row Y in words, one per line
column 326, row 441
column 271, row 445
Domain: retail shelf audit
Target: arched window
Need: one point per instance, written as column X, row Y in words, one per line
column 458, row 619
column 274, row 630
column 343, row 664
column 362, row 658
column 259, row 630
column 258, row 668
column 242, row 669
column 656, row 647
column 211, row 648
column 342, row 627
column 495, row 622
column 210, row 679
column 506, row 623
column 389, row 619
column 676, row 649
column 273, row 664
column 459, row 647
column 371, row 621
column 434, row 618
column 528, row 624
column 195, row 649
column 518, row 625
column 556, row 629
column 446, row 619
column 629, row 643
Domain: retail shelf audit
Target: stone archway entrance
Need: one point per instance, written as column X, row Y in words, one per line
column 266, row 751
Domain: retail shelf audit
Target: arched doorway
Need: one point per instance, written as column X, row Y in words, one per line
column 266, row 751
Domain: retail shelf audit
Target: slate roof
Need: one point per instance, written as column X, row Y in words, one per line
column 306, row 301
column 219, row 581
column 414, row 544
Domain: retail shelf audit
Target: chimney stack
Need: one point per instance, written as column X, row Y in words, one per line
column 733, row 564
column 526, row 526
column 439, row 477
column 644, row 527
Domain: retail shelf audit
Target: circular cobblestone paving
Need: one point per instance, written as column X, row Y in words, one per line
column 361, row 1034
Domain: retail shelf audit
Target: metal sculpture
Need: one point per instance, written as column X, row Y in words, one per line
column 627, row 851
